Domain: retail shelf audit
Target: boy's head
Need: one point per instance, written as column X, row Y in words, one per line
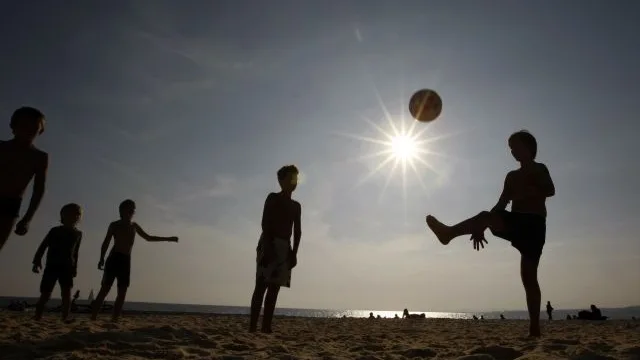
column 288, row 178
column 27, row 123
column 127, row 208
column 70, row 214
column 524, row 146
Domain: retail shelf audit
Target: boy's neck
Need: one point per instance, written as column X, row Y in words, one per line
column 69, row 226
column 126, row 221
column 22, row 142
column 526, row 163
column 286, row 194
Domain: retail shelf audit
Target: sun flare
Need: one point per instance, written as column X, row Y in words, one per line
column 404, row 147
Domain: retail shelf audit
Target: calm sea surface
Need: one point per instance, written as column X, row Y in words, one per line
column 613, row 313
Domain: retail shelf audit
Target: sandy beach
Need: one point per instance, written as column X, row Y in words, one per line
column 158, row 336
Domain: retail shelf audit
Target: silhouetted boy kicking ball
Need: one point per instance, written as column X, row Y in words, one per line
column 118, row 265
column 275, row 256
column 62, row 244
column 527, row 188
column 21, row 161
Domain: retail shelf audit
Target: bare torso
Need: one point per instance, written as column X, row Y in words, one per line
column 124, row 234
column 523, row 186
column 18, row 165
column 282, row 218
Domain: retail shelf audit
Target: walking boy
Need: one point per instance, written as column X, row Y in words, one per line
column 21, row 161
column 62, row 244
column 275, row 256
column 118, row 264
column 527, row 188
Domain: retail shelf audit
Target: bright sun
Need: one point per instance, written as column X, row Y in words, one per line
column 404, row 147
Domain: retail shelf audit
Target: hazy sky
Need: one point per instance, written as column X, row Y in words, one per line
column 190, row 108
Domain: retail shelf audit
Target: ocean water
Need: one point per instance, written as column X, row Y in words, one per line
column 559, row 314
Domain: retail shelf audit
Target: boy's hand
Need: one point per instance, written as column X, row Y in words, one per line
column 36, row 268
column 293, row 259
column 22, row 227
column 101, row 264
column 478, row 241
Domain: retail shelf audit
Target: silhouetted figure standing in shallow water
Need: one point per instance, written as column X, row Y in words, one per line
column 118, row 265
column 21, row 161
column 527, row 188
column 275, row 256
column 62, row 244
column 549, row 310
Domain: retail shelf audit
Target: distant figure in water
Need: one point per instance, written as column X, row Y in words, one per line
column 594, row 314
column 502, row 317
column 371, row 316
column 549, row 310
column 481, row 317
column 396, row 317
column 527, row 188
column 62, row 244
column 475, row 317
column 118, row 264
column 276, row 258
column 568, row 317
column 407, row 315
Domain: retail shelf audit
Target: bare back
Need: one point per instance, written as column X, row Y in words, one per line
column 124, row 234
column 526, row 189
column 279, row 215
column 18, row 165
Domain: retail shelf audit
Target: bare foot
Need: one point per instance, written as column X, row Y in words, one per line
column 441, row 230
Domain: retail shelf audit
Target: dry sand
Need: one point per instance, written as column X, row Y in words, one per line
column 225, row 337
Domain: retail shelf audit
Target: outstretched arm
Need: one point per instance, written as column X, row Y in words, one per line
column 37, row 259
column 297, row 229
column 105, row 243
column 39, row 183
column 504, row 199
column 148, row 237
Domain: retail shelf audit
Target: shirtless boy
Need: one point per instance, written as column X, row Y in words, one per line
column 21, row 161
column 62, row 244
column 118, row 264
column 275, row 256
column 527, row 188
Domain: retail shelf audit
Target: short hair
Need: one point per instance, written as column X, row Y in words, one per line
column 527, row 139
column 127, row 204
column 27, row 114
column 287, row 170
column 70, row 208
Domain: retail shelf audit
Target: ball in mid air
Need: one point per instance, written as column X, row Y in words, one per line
column 425, row 105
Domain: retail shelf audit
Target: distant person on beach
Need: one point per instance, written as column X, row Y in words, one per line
column 118, row 264
column 62, row 244
column 275, row 255
column 527, row 188
column 21, row 161
column 502, row 317
column 549, row 310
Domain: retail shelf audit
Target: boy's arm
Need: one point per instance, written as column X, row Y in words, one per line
column 148, row 237
column 297, row 228
column 37, row 259
column 39, row 184
column 268, row 213
column 503, row 201
column 546, row 183
column 76, row 252
column 106, row 242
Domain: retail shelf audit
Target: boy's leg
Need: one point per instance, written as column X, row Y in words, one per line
column 119, row 303
column 269, row 307
column 48, row 282
column 65, row 293
column 529, row 275
column 256, row 304
column 474, row 225
column 107, row 283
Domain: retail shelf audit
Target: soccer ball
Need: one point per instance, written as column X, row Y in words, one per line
column 425, row 105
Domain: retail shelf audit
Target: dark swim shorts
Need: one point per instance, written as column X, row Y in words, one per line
column 117, row 266
column 10, row 207
column 526, row 232
column 56, row 274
